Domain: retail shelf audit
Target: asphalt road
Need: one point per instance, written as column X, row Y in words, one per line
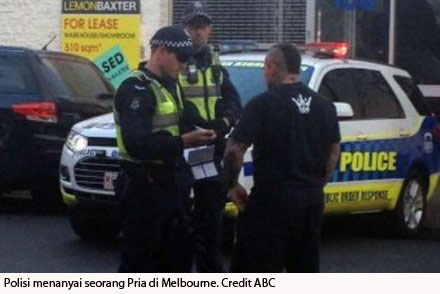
column 42, row 241
column 363, row 244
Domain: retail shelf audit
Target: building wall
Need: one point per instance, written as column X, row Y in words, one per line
column 32, row 23
column 264, row 21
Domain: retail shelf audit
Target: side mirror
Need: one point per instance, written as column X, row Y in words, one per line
column 344, row 110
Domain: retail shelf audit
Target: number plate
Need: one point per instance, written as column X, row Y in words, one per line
column 109, row 177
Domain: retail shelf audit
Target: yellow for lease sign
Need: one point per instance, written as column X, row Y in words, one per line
column 106, row 32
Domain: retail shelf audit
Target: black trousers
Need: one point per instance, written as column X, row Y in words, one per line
column 156, row 236
column 280, row 230
column 209, row 203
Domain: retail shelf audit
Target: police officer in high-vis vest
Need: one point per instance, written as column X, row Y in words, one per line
column 148, row 115
column 213, row 103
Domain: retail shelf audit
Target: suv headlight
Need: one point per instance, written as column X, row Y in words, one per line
column 76, row 142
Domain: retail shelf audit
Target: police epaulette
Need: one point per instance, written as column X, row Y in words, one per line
column 140, row 75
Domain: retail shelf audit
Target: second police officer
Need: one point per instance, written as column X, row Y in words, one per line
column 213, row 103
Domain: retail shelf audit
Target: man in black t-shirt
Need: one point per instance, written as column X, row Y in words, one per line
column 295, row 133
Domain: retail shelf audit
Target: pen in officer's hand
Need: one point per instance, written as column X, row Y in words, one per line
column 207, row 131
column 197, row 127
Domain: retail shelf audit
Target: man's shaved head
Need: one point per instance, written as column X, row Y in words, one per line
column 286, row 56
column 283, row 61
column 277, row 58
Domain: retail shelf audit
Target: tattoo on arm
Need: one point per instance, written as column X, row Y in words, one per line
column 233, row 161
column 335, row 151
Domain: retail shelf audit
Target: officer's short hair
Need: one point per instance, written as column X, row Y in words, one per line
column 291, row 56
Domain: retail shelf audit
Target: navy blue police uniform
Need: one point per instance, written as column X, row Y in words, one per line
column 154, row 180
column 212, row 81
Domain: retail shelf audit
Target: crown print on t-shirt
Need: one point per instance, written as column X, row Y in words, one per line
column 303, row 103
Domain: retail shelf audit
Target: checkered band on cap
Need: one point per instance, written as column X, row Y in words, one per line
column 172, row 37
column 195, row 9
column 203, row 13
column 171, row 44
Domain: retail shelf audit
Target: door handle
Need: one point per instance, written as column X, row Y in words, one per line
column 404, row 133
column 362, row 137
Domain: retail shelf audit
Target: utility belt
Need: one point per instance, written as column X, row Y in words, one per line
column 150, row 172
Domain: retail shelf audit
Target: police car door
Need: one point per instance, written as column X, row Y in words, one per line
column 367, row 176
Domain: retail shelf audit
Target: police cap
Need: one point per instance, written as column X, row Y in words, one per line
column 174, row 39
column 196, row 14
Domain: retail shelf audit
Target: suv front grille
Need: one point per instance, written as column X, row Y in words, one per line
column 103, row 142
column 90, row 172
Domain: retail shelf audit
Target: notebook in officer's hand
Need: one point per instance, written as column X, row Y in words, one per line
column 201, row 161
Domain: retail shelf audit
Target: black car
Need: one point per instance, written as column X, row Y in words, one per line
column 42, row 94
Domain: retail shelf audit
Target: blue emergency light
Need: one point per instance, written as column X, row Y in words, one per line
column 369, row 5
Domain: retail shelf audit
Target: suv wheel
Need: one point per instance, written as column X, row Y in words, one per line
column 94, row 224
column 411, row 207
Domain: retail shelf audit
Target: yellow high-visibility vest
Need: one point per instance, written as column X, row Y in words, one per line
column 166, row 116
column 204, row 99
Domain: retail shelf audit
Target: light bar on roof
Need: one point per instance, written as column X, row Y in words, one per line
column 334, row 49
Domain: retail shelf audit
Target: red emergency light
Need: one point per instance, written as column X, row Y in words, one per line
column 334, row 49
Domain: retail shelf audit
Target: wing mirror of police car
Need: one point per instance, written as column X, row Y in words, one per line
column 344, row 110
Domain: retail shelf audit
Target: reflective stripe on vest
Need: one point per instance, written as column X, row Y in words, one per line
column 195, row 93
column 166, row 116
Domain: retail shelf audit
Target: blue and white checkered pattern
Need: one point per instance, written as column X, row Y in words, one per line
column 409, row 152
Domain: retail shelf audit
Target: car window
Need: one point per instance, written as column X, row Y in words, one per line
column 367, row 91
column 76, row 80
column 236, row 45
column 414, row 94
column 16, row 76
column 378, row 99
column 248, row 77
column 339, row 86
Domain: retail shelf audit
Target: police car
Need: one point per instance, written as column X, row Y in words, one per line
column 390, row 149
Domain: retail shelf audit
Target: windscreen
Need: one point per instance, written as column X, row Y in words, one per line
column 76, row 80
column 248, row 77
